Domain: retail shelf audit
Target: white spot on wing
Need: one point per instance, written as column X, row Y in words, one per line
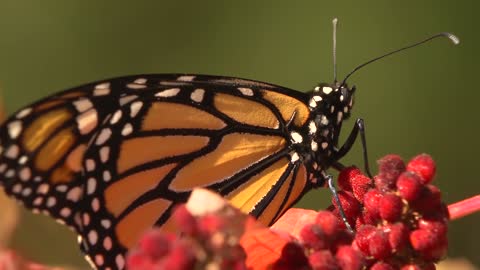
column 74, row 194
column 168, row 92
column 106, row 223
column 107, row 243
column 91, row 185
column 43, row 189
column 51, row 201
column 104, row 153
column 24, row 113
column 186, row 78
column 140, row 81
column 10, row 173
column 3, row 167
column 22, row 160
column 324, row 120
column 87, row 121
column 324, row 145
column 120, row 261
column 86, row 219
column 101, row 92
column 103, row 136
column 103, row 86
column 317, row 98
column 197, row 95
column 95, row 205
column 116, row 117
column 135, row 108
column 136, row 86
column 312, row 127
column 246, row 91
column 38, row 201
column 12, row 151
column 99, row 260
column 312, row 103
column 314, row 146
column 106, row 176
column 26, row 192
column 92, row 237
column 82, row 104
column 126, row 99
column 65, row 212
column 61, row 188
column 14, row 129
column 17, row 188
column 127, row 129
column 294, row 157
column 296, row 137
column 90, row 165
column 25, row 174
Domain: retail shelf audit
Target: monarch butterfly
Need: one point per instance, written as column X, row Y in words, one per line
column 111, row 159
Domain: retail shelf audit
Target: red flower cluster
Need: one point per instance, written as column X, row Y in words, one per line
column 208, row 242
column 399, row 219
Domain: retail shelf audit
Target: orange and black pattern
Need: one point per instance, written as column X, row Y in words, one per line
column 112, row 158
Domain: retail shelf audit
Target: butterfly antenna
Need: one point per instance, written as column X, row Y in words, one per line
column 335, row 23
column 455, row 40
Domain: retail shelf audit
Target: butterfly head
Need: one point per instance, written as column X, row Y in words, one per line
column 329, row 104
column 332, row 101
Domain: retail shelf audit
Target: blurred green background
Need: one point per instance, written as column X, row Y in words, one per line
column 418, row 101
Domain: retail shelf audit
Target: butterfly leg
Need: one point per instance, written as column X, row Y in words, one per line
column 359, row 127
column 332, row 188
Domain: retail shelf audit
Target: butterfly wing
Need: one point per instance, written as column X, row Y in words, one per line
column 159, row 137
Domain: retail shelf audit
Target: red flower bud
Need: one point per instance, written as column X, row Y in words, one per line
column 185, row 220
column 409, row 186
column 431, row 244
column 439, row 226
column 210, row 224
column 313, row 237
column 424, row 166
column 329, row 223
column 323, row 260
column 181, row 257
column 349, row 259
column 155, row 244
column 371, row 202
column 391, row 207
column 398, row 234
column 378, row 245
column 360, row 185
column 429, row 200
column 362, row 238
column 382, row 266
column 346, row 176
column 350, row 205
column 390, row 167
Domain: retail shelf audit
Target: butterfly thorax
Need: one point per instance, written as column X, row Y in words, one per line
column 329, row 104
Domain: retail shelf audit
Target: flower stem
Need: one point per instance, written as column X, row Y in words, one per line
column 464, row 208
